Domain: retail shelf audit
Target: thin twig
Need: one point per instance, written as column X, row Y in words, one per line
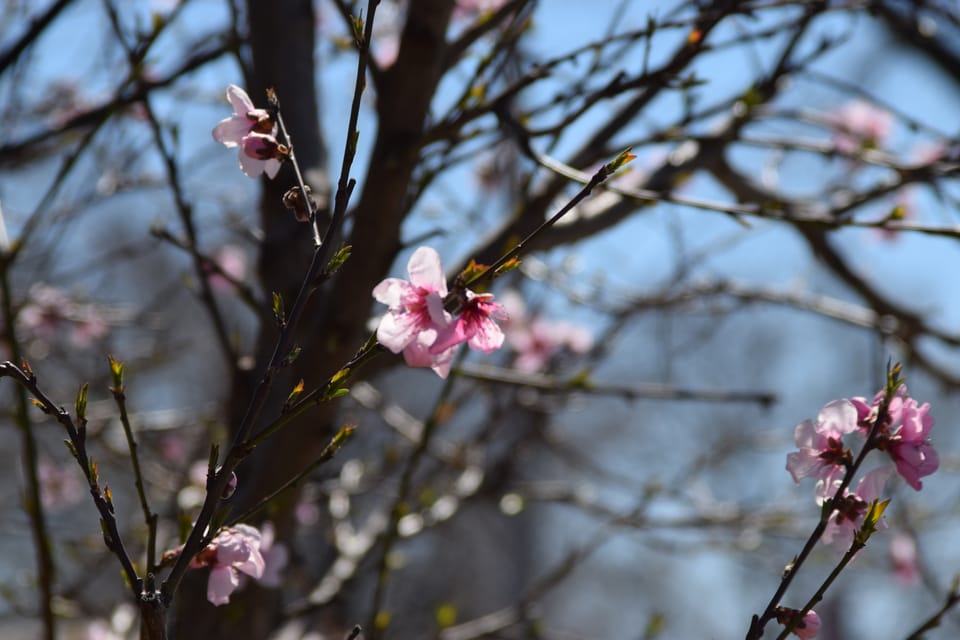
column 33, row 504
column 101, row 499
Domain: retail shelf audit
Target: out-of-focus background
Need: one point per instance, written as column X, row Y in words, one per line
column 617, row 469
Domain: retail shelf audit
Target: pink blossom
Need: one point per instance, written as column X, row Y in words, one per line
column 475, row 325
column 860, row 125
column 850, row 510
column 808, row 627
column 910, row 446
column 821, row 449
column 260, row 153
column 233, row 551
column 415, row 313
column 254, row 131
column 903, row 557
column 45, row 311
column 904, row 435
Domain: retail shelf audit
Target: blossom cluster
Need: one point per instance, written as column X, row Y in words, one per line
column 48, row 310
column 900, row 427
column 417, row 324
column 536, row 339
column 254, row 131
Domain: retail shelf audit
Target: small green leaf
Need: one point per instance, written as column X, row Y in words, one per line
column 81, row 403
column 278, row 310
column 116, row 374
column 108, row 496
column 335, row 388
column 624, row 158
column 292, row 398
column 292, row 356
column 339, row 258
column 507, row 266
column 899, row 212
column 356, row 22
column 338, row 440
column 339, row 392
column 473, row 270
column 345, row 433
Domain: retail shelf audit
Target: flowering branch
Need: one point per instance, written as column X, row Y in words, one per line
column 894, row 423
column 218, row 482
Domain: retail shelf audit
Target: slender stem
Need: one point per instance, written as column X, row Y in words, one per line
column 337, row 441
column 149, row 517
column 33, row 505
column 599, row 177
column 953, row 597
column 818, row 596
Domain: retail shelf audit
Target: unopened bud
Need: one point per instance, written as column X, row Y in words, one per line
column 231, row 487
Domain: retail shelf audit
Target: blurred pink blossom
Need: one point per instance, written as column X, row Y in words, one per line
column 469, row 9
column 860, row 125
column 48, row 310
column 43, row 314
column 232, row 261
column 275, row 556
column 903, row 558
column 537, row 340
column 60, row 485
